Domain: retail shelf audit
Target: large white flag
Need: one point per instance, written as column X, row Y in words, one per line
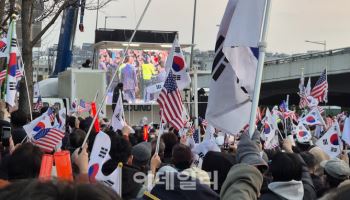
column 330, row 142
column 242, row 38
column 346, row 131
column 118, row 116
column 176, row 62
column 99, row 155
column 234, row 66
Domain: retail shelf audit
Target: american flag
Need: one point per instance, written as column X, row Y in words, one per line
column 83, row 106
column 3, row 74
column 48, row 138
column 170, row 102
column 39, row 104
column 320, row 89
column 51, row 114
column 303, row 101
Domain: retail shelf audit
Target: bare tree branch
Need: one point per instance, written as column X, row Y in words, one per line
column 52, row 21
column 48, row 7
column 92, row 5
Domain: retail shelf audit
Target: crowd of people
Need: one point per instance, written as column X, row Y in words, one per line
column 242, row 169
column 139, row 70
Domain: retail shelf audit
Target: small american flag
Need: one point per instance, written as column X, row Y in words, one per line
column 303, row 101
column 48, row 138
column 51, row 114
column 170, row 102
column 320, row 90
column 83, row 106
column 39, row 104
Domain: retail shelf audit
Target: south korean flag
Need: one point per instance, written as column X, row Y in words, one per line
column 176, row 62
column 330, row 142
column 99, row 156
column 3, row 47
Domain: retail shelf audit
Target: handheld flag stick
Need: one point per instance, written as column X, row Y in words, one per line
column 161, row 130
column 115, row 74
column 96, row 95
column 279, row 132
column 262, row 46
column 121, row 99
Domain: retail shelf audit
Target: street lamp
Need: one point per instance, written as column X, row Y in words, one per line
column 120, row 17
column 324, row 43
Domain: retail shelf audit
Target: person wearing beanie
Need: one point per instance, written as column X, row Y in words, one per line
column 336, row 171
column 141, row 156
column 319, row 156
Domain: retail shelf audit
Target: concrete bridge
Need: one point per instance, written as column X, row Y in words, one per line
column 281, row 76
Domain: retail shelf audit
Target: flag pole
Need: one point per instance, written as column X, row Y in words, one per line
column 121, row 100
column 262, row 50
column 195, row 75
column 161, row 130
column 115, row 74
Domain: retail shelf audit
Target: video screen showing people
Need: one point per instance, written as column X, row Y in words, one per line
column 142, row 72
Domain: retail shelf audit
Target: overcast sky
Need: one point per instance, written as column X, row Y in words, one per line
column 291, row 22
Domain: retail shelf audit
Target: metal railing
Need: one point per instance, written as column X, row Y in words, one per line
column 308, row 56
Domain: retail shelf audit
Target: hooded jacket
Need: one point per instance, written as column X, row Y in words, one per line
column 292, row 189
column 243, row 182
